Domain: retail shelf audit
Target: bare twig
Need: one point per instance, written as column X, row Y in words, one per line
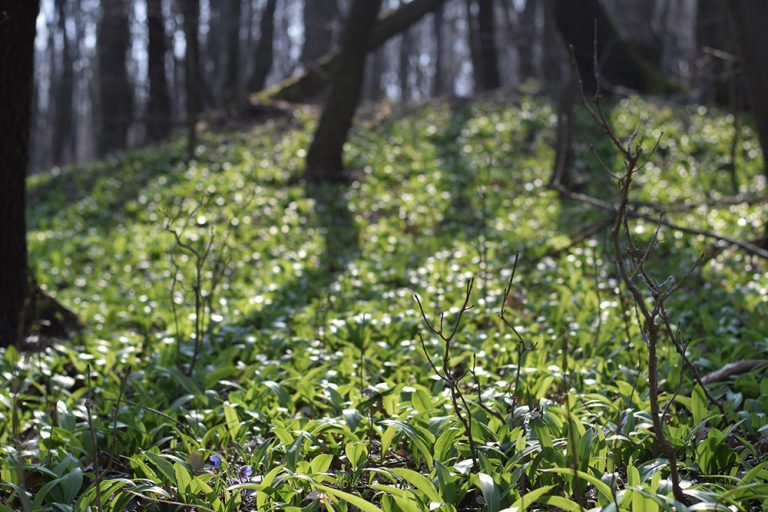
column 452, row 376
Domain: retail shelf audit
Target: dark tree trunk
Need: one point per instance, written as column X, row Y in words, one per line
column 212, row 60
column 473, row 43
column 264, row 53
column 319, row 18
column 324, row 158
column 619, row 63
column 313, row 80
column 62, row 149
column 404, row 63
column 713, row 35
column 373, row 82
column 438, row 82
column 159, row 107
column 526, row 39
column 486, row 38
column 191, row 14
column 232, row 27
column 115, row 91
column 17, row 41
column 750, row 23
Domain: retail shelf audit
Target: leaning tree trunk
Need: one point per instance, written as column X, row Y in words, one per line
column 191, row 14
column 62, row 148
column 312, row 80
column 115, row 91
column 324, row 158
column 232, row 77
column 264, row 53
column 619, row 63
column 159, row 107
column 486, row 40
column 319, row 18
column 17, row 42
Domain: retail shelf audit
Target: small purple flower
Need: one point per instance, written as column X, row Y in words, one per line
column 244, row 473
column 215, row 461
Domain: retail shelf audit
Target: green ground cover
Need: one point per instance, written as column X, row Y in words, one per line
column 312, row 390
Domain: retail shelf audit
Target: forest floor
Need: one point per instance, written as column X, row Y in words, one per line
column 310, row 389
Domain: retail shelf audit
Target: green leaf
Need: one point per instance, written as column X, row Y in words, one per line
column 490, row 492
column 601, row 486
column 530, row 498
column 360, row 503
column 418, row 481
column 233, row 422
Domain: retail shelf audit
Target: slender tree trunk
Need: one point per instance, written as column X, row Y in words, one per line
column 473, row 43
column 486, row 38
column 438, row 82
column 324, row 158
column 191, row 13
column 319, row 18
column 159, row 108
column 526, row 39
column 232, row 27
column 17, row 41
column 63, row 139
column 264, row 53
column 115, row 91
column 404, row 62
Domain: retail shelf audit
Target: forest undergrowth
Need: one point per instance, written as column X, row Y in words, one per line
column 252, row 343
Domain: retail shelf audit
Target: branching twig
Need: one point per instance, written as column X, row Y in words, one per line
column 452, row 376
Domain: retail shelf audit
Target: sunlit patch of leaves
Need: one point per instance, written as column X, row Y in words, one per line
column 312, row 390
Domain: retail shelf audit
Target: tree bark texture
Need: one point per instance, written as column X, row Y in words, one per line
column 17, row 40
column 324, row 158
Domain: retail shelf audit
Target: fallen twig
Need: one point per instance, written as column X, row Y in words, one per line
column 731, row 369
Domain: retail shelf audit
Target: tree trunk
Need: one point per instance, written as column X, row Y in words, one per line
column 438, row 82
column 526, row 40
column 191, row 14
column 374, row 89
column 473, row 43
column 62, row 149
column 619, row 63
column 324, row 158
column 486, row 38
column 159, row 107
column 115, row 91
column 404, row 63
column 264, row 53
column 750, row 23
column 17, row 41
column 232, row 27
column 319, row 18
column 312, row 81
